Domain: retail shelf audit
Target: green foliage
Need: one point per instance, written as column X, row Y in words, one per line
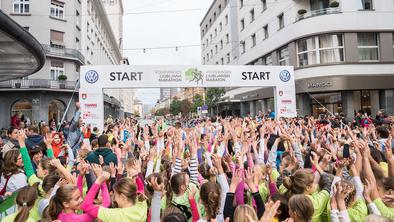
column 334, row 4
column 213, row 96
column 175, row 106
column 197, row 102
column 62, row 77
column 162, row 112
column 185, row 106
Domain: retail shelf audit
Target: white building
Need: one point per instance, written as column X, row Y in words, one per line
column 343, row 55
column 73, row 33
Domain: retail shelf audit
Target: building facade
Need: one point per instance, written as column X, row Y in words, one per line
column 72, row 33
column 342, row 52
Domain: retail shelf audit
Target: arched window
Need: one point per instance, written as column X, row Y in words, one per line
column 56, row 110
column 23, row 107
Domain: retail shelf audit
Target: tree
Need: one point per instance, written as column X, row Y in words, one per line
column 213, row 96
column 185, row 106
column 162, row 112
column 197, row 102
column 175, row 106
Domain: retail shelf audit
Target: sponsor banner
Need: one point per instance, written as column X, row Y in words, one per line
column 185, row 76
column 96, row 78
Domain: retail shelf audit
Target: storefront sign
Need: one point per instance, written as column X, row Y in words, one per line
column 323, row 84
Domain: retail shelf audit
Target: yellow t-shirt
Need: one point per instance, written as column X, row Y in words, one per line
column 11, row 218
column 136, row 213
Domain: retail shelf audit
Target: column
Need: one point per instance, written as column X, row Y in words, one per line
column 243, row 108
column 304, row 104
column 387, row 101
column 374, row 95
column 252, row 105
column 347, row 104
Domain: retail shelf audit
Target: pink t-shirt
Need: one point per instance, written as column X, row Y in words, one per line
column 73, row 217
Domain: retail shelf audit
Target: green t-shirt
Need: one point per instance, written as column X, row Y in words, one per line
column 136, row 213
column 384, row 210
column 319, row 201
column 11, row 218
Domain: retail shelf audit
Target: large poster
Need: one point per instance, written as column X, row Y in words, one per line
column 94, row 79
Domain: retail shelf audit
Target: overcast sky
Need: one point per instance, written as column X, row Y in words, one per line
column 145, row 29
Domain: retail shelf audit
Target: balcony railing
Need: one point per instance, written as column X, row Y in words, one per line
column 64, row 52
column 37, row 84
column 323, row 11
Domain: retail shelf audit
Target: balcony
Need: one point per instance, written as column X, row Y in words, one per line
column 323, row 11
column 27, row 84
column 72, row 54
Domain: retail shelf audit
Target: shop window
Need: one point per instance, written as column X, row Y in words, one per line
column 23, row 107
column 326, row 103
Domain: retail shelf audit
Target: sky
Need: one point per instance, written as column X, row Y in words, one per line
column 144, row 27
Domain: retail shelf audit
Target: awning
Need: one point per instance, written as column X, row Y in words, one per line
column 20, row 53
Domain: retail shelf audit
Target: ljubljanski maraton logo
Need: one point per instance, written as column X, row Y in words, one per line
column 91, row 76
column 284, row 75
column 194, row 75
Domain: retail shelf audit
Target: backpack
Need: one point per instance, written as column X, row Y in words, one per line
column 2, row 191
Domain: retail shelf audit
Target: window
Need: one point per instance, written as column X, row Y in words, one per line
column 216, row 32
column 207, row 57
column 283, row 56
column 228, row 58
column 210, row 22
column 281, row 23
column 203, row 60
column 221, row 44
column 243, row 49
column 217, row 63
column 207, row 42
column 227, row 39
column 214, row 16
column 226, row 19
column 26, row 28
column 203, row 46
column 266, row 34
column 57, row 69
column 220, row 9
column 57, row 9
column 251, row 15
column 203, row 32
column 267, row 60
column 216, row 49
column 368, row 46
column 242, row 24
column 57, row 39
column 241, row 3
column 220, row 26
column 393, row 42
column 21, row 6
column 367, row 4
column 210, row 38
column 253, row 40
column 322, row 49
column 222, row 61
column 211, row 53
column 264, row 5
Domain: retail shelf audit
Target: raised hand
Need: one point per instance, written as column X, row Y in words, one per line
column 217, row 162
column 235, row 180
column 249, row 178
column 97, row 169
column 104, row 176
column 21, row 138
column 112, row 169
column 155, row 185
column 48, row 140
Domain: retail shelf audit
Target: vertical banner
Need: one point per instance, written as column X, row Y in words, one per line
column 92, row 107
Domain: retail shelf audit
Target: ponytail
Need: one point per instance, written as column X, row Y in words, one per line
column 210, row 196
column 25, row 199
column 55, row 207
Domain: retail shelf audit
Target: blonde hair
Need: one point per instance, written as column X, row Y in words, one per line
column 241, row 211
column 302, row 206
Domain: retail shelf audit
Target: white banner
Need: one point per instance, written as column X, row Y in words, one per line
column 95, row 78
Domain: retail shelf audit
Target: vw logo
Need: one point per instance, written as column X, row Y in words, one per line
column 91, row 76
column 284, row 75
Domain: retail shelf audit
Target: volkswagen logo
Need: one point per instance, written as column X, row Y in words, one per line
column 284, row 75
column 91, row 76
